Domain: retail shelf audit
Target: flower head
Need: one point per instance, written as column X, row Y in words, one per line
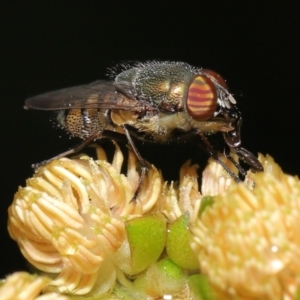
column 70, row 216
column 247, row 241
column 79, row 220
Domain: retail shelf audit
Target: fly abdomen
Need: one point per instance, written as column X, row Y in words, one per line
column 82, row 122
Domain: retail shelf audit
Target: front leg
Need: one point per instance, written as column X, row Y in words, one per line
column 233, row 140
column 212, row 152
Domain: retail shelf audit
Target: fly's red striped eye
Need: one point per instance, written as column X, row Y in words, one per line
column 217, row 77
column 201, row 101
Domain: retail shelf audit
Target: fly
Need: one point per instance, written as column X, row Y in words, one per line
column 158, row 102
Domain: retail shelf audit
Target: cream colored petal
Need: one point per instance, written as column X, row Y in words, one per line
column 51, row 187
column 151, row 189
column 75, row 181
column 41, row 252
column 215, row 180
column 23, row 286
column 48, row 266
column 132, row 173
column 118, row 188
column 188, row 190
column 60, row 212
column 176, row 199
column 117, row 159
column 72, row 281
column 105, row 281
column 169, row 202
column 100, row 153
column 113, row 235
column 52, row 296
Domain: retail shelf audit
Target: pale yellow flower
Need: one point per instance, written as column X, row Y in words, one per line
column 248, row 241
column 181, row 197
column 70, row 219
column 76, row 219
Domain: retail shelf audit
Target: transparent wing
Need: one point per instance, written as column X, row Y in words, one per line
column 97, row 95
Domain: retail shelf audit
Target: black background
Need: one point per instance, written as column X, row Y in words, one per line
column 48, row 45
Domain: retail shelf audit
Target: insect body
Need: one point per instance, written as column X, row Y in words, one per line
column 156, row 102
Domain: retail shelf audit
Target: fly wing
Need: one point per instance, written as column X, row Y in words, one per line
column 96, row 95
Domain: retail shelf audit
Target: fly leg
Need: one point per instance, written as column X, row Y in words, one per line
column 235, row 163
column 74, row 150
column 212, row 152
column 233, row 140
column 142, row 162
column 97, row 135
column 214, row 155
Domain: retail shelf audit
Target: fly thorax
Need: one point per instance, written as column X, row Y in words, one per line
column 82, row 122
column 163, row 93
column 164, row 85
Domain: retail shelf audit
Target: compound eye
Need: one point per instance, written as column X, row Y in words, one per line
column 201, row 101
column 221, row 81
